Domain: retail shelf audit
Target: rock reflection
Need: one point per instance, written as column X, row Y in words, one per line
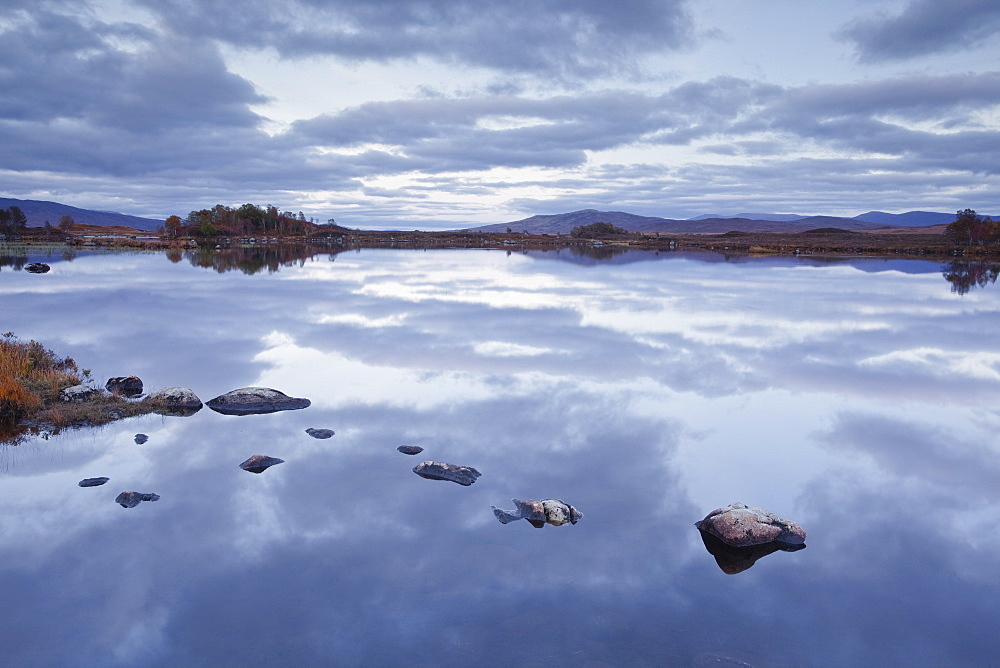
column 260, row 463
column 733, row 560
column 964, row 275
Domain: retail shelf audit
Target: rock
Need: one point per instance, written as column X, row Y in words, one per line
column 740, row 526
column 37, row 268
column 255, row 401
column 177, row 401
column 133, row 499
column 410, row 449
column 127, row 386
column 319, row 433
column 733, row 560
column 78, row 393
column 539, row 513
column 92, row 482
column 260, row 463
column 140, row 439
column 463, row 475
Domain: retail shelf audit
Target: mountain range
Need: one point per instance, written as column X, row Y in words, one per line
column 38, row 212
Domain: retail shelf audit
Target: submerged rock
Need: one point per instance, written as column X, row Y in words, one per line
column 463, row 475
column 37, row 268
column 77, row 393
column 410, row 449
column 255, row 401
column 319, row 433
column 92, row 482
column 260, row 463
column 539, row 513
column 140, row 439
column 740, row 526
column 733, row 560
column 133, row 499
column 176, row 401
column 127, row 386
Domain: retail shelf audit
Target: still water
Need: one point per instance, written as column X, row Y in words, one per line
column 858, row 398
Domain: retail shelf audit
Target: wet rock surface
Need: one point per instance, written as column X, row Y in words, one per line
column 127, row 386
column 410, row 449
column 77, row 393
column 92, row 482
column 37, row 268
column 539, row 513
column 140, row 439
column 319, row 433
column 133, row 499
column 463, row 475
column 733, row 560
column 177, row 401
column 260, row 463
column 740, row 526
column 255, row 401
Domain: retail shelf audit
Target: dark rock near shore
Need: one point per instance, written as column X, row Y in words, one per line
column 260, row 463
column 127, row 386
column 463, row 475
column 319, row 433
column 140, row 439
column 92, row 482
column 176, row 401
column 539, row 513
column 37, row 268
column 78, row 393
column 133, row 499
column 740, row 526
column 733, row 560
column 410, row 449
column 255, row 401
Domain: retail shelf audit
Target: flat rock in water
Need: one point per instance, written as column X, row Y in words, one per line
column 319, row 433
column 133, row 499
column 410, row 449
column 127, row 386
column 740, row 526
column 539, row 513
column 260, row 463
column 255, row 401
column 463, row 475
column 37, row 268
column 140, row 439
column 92, row 482
column 176, row 401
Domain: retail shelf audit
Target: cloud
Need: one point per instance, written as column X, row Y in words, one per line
column 924, row 27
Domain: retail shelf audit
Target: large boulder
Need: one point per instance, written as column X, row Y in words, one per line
column 260, row 463
column 176, row 401
column 740, row 526
column 539, row 513
column 127, row 386
column 463, row 475
column 133, row 499
column 78, row 393
column 255, row 401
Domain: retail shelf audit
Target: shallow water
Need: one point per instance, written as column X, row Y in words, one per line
column 859, row 399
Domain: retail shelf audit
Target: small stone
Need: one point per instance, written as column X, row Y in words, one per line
column 410, row 449
column 463, row 475
column 92, row 482
column 319, row 433
column 37, row 268
column 133, row 499
column 127, row 386
column 260, row 463
column 140, row 439
column 539, row 513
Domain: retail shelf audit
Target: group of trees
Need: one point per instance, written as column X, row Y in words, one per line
column 970, row 229
column 596, row 230
column 242, row 220
column 14, row 222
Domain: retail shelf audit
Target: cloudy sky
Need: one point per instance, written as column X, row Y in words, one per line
column 445, row 113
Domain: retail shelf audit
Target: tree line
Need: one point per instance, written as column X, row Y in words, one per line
column 970, row 229
column 242, row 220
column 14, row 222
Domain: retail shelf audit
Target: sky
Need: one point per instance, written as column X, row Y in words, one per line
column 435, row 114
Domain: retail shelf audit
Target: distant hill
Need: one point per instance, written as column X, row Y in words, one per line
column 39, row 211
column 908, row 219
column 777, row 217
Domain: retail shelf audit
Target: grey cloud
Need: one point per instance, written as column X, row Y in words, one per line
column 924, row 27
column 560, row 38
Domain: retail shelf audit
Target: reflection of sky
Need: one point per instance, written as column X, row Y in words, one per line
column 860, row 403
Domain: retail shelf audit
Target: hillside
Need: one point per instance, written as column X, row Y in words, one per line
column 39, row 211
